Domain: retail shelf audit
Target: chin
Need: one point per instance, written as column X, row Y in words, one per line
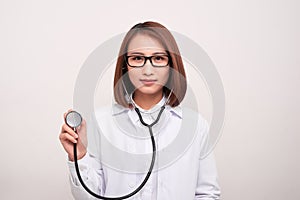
column 150, row 90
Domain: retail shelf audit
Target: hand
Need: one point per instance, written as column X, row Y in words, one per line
column 68, row 137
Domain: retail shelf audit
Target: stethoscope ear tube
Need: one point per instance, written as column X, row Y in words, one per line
column 125, row 196
column 148, row 173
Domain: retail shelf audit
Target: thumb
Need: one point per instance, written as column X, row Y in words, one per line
column 82, row 125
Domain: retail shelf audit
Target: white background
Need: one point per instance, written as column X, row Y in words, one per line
column 254, row 45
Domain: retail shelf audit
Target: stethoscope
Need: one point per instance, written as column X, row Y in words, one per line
column 73, row 119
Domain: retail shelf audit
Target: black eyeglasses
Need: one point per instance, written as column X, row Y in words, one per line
column 140, row 61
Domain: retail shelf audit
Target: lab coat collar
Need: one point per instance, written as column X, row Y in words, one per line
column 119, row 109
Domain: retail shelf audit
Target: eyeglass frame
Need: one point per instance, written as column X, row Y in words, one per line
column 147, row 58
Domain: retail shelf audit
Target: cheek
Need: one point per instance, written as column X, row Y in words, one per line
column 133, row 76
column 164, row 76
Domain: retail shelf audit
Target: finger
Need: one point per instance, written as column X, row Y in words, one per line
column 83, row 124
column 68, row 137
column 66, row 128
column 65, row 114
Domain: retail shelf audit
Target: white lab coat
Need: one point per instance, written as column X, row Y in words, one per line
column 180, row 172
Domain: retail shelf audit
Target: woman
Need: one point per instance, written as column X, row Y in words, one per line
column 149, row 74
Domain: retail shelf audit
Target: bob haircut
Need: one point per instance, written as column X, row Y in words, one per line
column 177, row 77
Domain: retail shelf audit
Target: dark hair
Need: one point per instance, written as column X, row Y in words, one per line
column 177, row 81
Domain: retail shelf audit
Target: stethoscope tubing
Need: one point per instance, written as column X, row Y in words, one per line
column 148, row 173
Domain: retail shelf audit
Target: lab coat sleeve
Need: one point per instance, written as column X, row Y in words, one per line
column 90, row 167
column 92, row 175
column 207, row 183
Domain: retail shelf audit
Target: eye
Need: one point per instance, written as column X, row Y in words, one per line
column 137, row 58
column 160, row 58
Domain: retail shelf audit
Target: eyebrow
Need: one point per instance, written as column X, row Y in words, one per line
column 139, row 53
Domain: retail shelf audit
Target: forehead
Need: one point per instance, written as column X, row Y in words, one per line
column 144, row 43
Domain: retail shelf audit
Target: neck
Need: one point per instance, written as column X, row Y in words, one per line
column 147, row 101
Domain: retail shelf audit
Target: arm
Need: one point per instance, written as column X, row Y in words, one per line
column 90, row 166
column 92, row 174
column 207, row 185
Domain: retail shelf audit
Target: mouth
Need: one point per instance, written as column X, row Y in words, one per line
column 148, row 82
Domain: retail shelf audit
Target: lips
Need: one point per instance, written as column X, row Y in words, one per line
column 148, row 82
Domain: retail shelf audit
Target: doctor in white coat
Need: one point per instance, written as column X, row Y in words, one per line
column 150, row 64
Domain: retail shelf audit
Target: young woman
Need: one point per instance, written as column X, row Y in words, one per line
column 149, row 74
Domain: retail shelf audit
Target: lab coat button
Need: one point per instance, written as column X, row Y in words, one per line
column 146, row 193
column 131, row 184
column 130, row 148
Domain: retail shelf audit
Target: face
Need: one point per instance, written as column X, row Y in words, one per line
column 147, row 80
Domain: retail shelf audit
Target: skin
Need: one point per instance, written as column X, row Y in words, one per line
column 148, row 81
column 68, row 137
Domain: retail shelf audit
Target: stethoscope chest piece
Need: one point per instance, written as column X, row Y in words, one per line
column 73, row 119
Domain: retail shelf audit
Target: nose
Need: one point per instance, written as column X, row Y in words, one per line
column 147, row 68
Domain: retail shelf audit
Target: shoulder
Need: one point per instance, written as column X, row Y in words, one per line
column 191, row 121
column 107, row 111
column 188, row 114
